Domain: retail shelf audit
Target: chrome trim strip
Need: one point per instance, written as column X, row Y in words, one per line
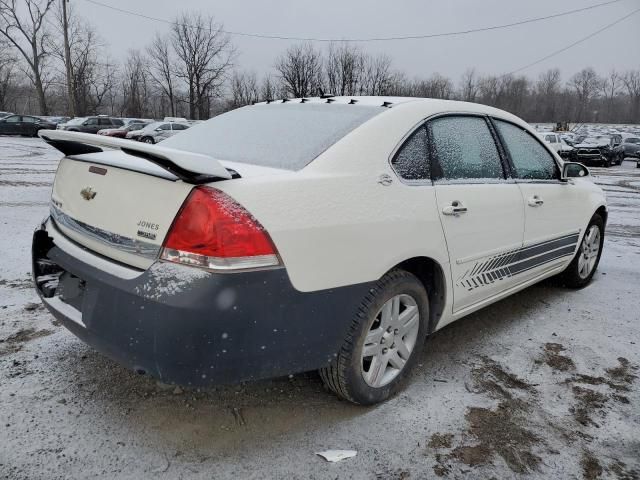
column 110, row 239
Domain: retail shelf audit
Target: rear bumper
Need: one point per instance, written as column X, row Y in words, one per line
column 187, row 326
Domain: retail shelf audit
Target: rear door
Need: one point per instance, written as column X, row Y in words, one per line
column 29, row 125
column 480, row 209
column 552, row 226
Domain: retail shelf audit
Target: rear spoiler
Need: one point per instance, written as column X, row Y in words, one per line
column 189, row 167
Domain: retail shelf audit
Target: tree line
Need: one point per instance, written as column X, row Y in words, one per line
column 189, row 70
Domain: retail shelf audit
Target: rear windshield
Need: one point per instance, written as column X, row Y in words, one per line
column 285, row 136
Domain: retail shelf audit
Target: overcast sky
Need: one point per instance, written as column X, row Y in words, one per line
column 490, row 52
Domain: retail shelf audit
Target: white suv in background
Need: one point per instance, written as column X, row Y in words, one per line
column 325, row 233
column 157, row 132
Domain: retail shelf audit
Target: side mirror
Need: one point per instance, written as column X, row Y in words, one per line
column 574, row 170
column 157, row 129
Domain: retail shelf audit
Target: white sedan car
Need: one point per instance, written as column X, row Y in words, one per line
column 325, row 233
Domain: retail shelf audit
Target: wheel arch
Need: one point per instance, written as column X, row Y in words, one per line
column 432, row 276
column 602, row 211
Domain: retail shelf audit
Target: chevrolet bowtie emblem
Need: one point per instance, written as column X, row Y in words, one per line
column 88, row 193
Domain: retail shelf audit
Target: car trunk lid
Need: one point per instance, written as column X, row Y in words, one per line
column 121, row 204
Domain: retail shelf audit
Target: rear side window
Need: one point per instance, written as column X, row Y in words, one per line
column 287, row 136
column 117, row 122
column 465, row 148
column 105, row 121
column 531, row 160
column 411, row 162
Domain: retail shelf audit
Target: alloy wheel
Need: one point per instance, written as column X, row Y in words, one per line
column 390, row 340
column 589, row 250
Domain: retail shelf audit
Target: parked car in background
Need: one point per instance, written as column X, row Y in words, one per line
column 91, row 124
column 601, row 150
column 122, row 131
column 556, row 142
column 56, row 120
column 159, row 131
column 402, row 216
column 25, row 125
column 631, row 146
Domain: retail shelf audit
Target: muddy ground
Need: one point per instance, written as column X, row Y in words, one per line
column 541, row 385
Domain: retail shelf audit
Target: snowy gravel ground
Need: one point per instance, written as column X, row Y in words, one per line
column 541, row 385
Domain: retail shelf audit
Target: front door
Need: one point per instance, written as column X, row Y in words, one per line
column 552, row 228
column 13, row 125
column 480, row 210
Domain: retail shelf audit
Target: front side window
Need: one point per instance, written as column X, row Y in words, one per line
column 411, row 162
column 166, row 126
column 92, row 121
column 465, row 148
column 551, row 138
column 531, row 160
column 105, row 121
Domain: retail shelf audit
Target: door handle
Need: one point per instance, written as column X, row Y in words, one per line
column 455, row 209
column 535, row 201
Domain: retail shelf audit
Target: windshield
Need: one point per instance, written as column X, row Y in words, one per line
column 152, row 126
column 76, row 121
column 285, row 136
column 596, row 140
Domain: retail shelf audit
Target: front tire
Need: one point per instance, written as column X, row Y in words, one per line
column 148, row 140
column 385, row 338
column 583, row 266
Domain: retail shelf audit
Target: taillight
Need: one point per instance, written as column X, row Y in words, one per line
column 212, row 231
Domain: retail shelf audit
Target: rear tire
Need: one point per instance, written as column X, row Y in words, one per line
column 584, row 265
column 392, row 324
column 148, row 140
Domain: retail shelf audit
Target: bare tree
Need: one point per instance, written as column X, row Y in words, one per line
column 26, row 29
column 469, row 85
column 244, row 89
column 205, row 55
column 548, row 89
column 77, row 75
column 300, row 68
column 379, row 78
column 631, row 81
column 610, row 87
column 7, row 66
column 161, row 68
column 135, row 85
column 271, row 89
column 586, row 85
column 345, row 69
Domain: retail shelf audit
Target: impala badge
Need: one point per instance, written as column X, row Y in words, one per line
column 88, row 193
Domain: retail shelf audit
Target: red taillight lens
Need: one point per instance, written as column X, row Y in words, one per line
column 213, row 231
